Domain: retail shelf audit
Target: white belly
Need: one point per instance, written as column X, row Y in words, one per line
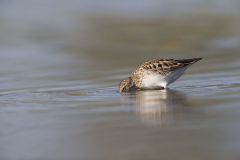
column 154, row 80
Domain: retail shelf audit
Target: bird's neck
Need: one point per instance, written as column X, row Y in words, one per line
column 131, row 84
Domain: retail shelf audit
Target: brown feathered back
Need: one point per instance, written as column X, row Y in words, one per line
column 164, row 66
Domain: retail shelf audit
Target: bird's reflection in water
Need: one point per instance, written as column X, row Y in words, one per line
column 160, row 106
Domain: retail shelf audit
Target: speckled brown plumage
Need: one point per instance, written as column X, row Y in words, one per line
column 161, row 67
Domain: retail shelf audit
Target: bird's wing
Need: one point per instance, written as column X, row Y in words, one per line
column 164, row 66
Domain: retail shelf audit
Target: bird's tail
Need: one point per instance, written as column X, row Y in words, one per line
column 189, row 61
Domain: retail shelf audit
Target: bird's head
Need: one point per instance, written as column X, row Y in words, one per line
column 126, row 85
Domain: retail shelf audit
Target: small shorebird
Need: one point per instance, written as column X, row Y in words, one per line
column 156, row 74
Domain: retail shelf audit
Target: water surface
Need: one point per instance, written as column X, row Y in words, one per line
column 60, row 69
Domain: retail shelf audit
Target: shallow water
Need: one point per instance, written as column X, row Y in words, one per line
column 60, row 69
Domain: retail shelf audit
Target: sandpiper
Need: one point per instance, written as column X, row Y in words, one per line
column 156, row 74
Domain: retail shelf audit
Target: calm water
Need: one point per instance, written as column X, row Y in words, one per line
column 60, row 65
